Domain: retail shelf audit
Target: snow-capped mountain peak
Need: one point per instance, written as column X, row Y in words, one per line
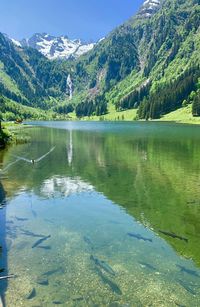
column 149, row 7
column 56, row 47
column 16, row 42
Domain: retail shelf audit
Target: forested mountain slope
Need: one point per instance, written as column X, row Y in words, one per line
column 151, row 63
column 28, row 78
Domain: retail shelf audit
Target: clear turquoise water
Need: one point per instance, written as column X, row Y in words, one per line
column 102, row 182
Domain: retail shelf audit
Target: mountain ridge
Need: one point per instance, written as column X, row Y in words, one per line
column 151, row 62
column 60, row 47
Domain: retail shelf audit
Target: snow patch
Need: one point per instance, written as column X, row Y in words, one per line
column 15, row 42
column 57, row 47
column 149, row 8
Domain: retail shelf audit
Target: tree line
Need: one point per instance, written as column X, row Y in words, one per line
column 88, row 107
column 169, row 96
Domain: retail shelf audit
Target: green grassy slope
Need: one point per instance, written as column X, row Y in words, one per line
column 182, row 115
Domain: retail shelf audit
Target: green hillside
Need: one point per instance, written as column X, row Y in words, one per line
column 150, row 64
column 30, row 80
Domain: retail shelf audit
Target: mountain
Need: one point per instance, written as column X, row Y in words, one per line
column 151, row 63
column 29, row 79
column 56, row 47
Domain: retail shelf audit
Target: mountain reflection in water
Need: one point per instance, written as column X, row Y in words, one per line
column 110, row 192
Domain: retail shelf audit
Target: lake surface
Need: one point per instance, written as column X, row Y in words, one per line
column 110, row 217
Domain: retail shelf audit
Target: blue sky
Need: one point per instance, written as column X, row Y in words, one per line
column 85, row 19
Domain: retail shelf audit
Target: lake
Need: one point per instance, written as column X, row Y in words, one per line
column 109, row 217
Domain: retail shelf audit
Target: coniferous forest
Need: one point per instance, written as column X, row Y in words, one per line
column 150, row 64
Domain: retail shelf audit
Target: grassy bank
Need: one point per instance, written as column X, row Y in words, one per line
column 13, row 133
column 112, row 115
column 183, row 115
column 4, row 137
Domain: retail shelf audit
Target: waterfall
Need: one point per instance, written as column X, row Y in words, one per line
column 70, row 86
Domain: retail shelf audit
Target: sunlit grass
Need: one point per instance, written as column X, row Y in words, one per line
column 183, row 115
column 112, row 115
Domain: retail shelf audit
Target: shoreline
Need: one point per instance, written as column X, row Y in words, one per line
column 186, row 122
column 179, row 116
column 13, row 133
